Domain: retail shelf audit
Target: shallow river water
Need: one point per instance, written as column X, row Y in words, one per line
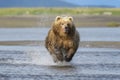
column 33, row 62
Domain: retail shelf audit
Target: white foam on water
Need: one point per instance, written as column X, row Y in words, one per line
column 42, row 57
column 39, row 57
column 36, row 58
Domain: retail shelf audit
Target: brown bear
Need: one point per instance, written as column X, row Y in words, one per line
column 62, row 40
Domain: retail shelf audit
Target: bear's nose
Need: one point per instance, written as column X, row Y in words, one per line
column 65, row 27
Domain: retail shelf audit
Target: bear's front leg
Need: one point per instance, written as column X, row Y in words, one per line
column 58, row 54
column 70, row 53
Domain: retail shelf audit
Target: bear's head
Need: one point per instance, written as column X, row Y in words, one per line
column 63, row 26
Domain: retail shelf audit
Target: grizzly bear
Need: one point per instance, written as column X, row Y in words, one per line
column 62, row 40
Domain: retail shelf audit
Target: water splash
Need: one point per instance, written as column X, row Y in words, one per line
column 37, row 55
column 42, row 57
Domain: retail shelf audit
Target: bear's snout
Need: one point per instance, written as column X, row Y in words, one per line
column 67, row 29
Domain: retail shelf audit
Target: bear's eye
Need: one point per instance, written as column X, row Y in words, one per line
column 68, row 24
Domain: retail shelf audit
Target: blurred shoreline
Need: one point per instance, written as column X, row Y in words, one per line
column 34, row 21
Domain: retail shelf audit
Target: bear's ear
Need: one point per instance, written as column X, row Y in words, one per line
column 57, row 18
column 70, row 18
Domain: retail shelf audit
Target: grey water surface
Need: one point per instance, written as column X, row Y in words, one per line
column 33, row 62
column 86, row 34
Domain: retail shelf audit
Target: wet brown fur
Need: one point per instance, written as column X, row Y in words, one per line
column 62, row 46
